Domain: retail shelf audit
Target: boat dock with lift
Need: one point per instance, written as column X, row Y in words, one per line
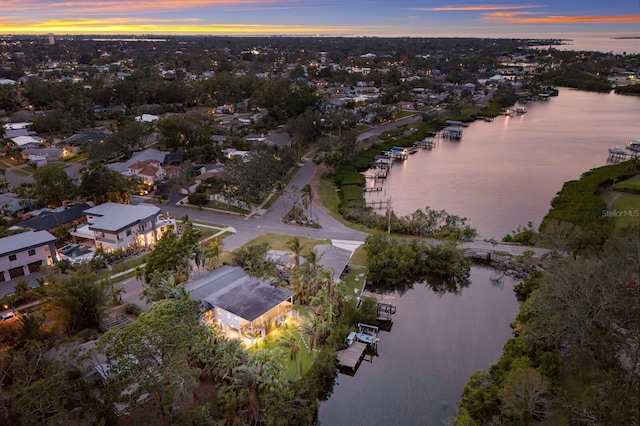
column 622, row 154
column 366, row 338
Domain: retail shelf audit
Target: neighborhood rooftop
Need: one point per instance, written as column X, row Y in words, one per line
column 233, row 290
column 22, row 241
column 118, row 216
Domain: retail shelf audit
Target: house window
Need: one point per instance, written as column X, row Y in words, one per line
column 32, row 252
column 12, row 257
column 219, row 311
column 228, row 315
column 128, row 232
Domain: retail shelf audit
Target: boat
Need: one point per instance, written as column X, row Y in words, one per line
column 634, row 145
column 521, row 110
column 366, row 338
column 617, row 151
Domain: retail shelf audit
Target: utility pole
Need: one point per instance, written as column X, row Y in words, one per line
column 389, row 215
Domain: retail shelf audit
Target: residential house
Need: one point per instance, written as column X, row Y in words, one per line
column 49, row 154
column 114, row 226
column 11, row 204
column 22, row 254
column 139, row 157
column 149, row 171
column 147, row 118
column 76, row 141
column 27, row 141
column 244, row 307
column 50, row 219
column 281, row 140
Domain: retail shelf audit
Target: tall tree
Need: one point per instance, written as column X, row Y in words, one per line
column 213, row 252
column 79, row 302
column 53, row 185
column 307, row 195
column 153, row 356
column 100, row 184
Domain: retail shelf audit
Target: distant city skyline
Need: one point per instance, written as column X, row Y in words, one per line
column 324, row 18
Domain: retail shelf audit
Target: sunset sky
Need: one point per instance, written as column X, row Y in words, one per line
column 320, row 17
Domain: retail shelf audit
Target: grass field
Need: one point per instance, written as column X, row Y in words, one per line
column 628, row 206
column 632, row 183
column 280, row 242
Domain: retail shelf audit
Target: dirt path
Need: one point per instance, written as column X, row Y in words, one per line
column 609, row 196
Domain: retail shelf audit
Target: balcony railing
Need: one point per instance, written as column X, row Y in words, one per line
column 106, row 240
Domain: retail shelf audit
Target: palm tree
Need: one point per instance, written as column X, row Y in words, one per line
column 198, row 257
column 281, row 190
column 138, row 273
column 296, row 247
column 3, row 171
column 311, row 256
column 116, row 295
column 307, row 196
column 291, row 342
column 310, row 326
column 213, row 252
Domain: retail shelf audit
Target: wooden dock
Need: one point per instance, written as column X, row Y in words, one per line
column 380, row 204
column 350, row 357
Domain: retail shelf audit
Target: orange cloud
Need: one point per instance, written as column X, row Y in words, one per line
column 476, row 8
column 524, row 18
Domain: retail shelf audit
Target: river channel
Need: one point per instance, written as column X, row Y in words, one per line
column 435, row 344
column 500, row 175
column 504, row 173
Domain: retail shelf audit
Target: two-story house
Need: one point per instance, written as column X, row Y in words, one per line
column 22, row 254
column 114, row 226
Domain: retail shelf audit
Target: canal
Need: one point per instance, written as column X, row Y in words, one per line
column 502, row 174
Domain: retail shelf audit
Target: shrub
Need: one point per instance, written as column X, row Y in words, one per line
column 132, row 309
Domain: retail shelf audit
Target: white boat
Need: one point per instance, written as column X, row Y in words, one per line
column 521, row 110
column 634, row 145
column 617, row 151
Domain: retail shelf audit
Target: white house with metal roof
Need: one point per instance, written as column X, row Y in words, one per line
column 114, row 226
column 22, row 254
column 245, row 307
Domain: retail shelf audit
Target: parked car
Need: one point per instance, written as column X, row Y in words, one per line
column 8, row 317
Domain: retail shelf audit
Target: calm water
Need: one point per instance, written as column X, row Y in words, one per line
column 601, row 43
column 435, row 345
column 505, row 173
column 500, row 175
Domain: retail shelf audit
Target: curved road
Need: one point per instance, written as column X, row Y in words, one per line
column 269, row 222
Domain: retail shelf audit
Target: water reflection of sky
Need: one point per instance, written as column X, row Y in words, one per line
column 436, row 343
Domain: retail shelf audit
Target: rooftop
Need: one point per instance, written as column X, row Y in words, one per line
column 115, row 217
column 235, row 291
column 25, row 240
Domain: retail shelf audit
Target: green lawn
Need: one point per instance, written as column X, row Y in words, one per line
column 202, row 222
column 629, row 206
column 632, row 183
column 280, row 242
column 329, row 196
column 21, row 172
column 76, row 158
column 305, row 356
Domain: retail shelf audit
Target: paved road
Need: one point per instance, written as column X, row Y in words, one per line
column 269, row 222
column 386, row 127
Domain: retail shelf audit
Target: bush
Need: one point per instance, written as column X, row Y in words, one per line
column 132, row 309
